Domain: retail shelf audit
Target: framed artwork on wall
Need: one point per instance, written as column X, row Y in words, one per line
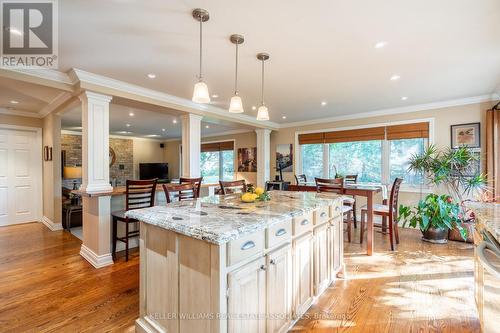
column 284, row 157
column 468, row 135
column 247, row 159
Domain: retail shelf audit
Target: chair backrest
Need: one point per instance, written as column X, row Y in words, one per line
column 195, row 181
column 301, row 179
column 179, row 191
column 393, row 200
column 351, row 179
column 237, row 186
column 335, row 185
column 140, row 194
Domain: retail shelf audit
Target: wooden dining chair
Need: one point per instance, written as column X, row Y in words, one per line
column 186, row 191
column 351, row 200
column 388, row 212
column 301, row 179
column 237, row 186
column 138, row 194
column 336, row 185
column 196, row 182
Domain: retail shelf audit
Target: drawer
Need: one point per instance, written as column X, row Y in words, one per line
column 279, row 233
column 321, row 215
column 302, row 223
column 245, row 247
column 336, row 208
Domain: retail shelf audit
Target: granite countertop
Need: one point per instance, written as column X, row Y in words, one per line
column 220, row 219
column 487, row 217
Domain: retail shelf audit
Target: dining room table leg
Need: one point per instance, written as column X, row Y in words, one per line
column 369, row 207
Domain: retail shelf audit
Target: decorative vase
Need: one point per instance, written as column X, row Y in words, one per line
column 435, row 235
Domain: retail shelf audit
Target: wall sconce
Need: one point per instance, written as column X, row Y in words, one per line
column 47, row 153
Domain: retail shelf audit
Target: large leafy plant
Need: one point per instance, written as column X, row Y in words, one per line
column 437, row 211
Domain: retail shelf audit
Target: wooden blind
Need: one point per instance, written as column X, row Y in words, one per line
column 408, row 131
column 217, row 146
column 363, row 134
column 305, row 139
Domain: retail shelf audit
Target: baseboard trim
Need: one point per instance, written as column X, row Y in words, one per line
column 51, row 225
column 98, row 261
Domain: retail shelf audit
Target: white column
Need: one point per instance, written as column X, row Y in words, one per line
column 96, row 246
column 263, row 156
column 191, row 145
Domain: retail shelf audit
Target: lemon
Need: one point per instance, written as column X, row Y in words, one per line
column 248, row 197
column 255, row 196
column 259, row 190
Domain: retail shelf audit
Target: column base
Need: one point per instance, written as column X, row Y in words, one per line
column 51, row 225
column 98, row 261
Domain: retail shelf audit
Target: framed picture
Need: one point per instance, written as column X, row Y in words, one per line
column 284, row 157
column 468, row 135
column 247, row 159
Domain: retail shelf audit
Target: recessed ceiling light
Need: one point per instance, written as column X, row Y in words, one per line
column 152, row 75
column 254, row 108
column 163, row 130
column 15, row 31
column 215, row 96
column 174, row 121
column 323, row 103
column 152, row 135
column 14, row 102
column 395, row 77
column 207, row 126
column 284, row 117
column 404, row 98
column 380, row 45
column 128, row 125
column 131, row 114
column 123, row 132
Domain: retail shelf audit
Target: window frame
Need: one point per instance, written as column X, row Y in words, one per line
column 424, row 188
column 221, row 162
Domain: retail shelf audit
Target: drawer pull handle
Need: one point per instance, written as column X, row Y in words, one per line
column 323, row 214
column 263, row 267
column 280, row 232
column 304, row 222
column 337, row 208
column 248, row 245
column 272, row 262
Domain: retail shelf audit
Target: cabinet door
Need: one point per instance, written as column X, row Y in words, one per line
column 279, row 290
column 321, row 257
column 336, row 244
column 246, row 299
column 302, row 274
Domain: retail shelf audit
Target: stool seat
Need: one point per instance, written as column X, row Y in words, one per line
column 120, row 215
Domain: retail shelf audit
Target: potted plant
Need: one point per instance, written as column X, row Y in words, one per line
column 437, row 214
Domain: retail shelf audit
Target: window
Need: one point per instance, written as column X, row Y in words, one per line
column 400, row 153
column 377, row 154
column 217, row 161
column 363, row 158
column 312, row 160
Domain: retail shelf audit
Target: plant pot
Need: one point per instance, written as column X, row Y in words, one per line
column 435, row 235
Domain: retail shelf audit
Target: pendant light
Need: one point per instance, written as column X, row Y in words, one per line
column 262, row 112
column 236, row 105
column 200, row 93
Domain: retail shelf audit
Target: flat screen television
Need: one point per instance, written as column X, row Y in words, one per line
column 154, row 170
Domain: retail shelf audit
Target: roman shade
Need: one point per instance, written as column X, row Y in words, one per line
column 217, row 146
column 395, row 132
column 408, row 131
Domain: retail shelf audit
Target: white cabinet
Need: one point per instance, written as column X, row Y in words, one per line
column 279, row 289
column 322, row 268
column 302, row 273
column 247, row 298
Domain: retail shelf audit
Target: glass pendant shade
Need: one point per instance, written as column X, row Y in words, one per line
column 236, row 105
column 262, row 113
column 200, row 93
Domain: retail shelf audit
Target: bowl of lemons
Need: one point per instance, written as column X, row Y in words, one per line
column 255, row 194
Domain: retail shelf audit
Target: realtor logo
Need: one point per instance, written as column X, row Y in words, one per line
column 29, row 33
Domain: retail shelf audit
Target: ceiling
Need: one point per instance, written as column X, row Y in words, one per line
column 151, row 123
column 23, row 97
column 321, row 51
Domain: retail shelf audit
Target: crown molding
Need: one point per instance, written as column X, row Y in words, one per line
column 233, row 132
column 393, row 111
column 55, row 104
column 42, row 76
column 105, row 85
column 114, row 136
column 19, row 113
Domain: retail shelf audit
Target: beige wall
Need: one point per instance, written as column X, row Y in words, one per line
column 146, row 151
column 443, row 118
column 52, row 169
column 21, row 121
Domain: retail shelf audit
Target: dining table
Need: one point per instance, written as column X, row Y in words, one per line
column 354, row 189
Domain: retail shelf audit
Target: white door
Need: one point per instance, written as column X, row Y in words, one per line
column 20, row 172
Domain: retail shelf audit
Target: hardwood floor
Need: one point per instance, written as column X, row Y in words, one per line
column 45, row 286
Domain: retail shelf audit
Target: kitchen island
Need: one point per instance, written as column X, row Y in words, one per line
column 220, row 265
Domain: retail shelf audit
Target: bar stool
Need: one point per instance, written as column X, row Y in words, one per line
column 180, row 191
column 138, row 194
column 194, row 181
column 237, row 186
